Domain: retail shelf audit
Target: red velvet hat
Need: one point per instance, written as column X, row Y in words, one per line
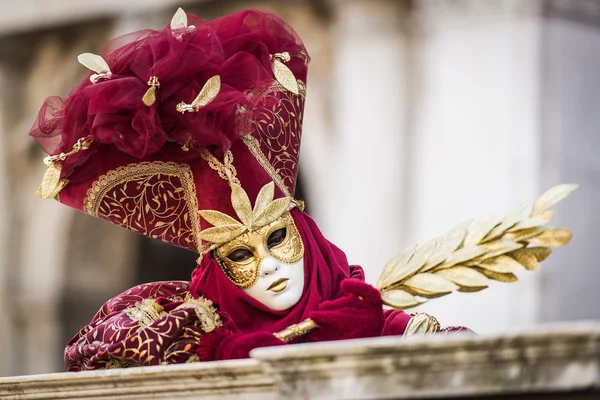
column 170, row 121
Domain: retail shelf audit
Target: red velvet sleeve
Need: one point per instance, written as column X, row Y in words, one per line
column 395, row 322
column 150, row 324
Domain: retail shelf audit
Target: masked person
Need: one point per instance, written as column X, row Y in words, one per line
column 191, row 135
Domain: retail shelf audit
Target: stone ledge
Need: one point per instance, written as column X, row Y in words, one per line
column 552, row 359
column 555, row 362
column 223, row 380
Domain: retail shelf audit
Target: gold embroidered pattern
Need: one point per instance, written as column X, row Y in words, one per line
column 144, row 333
column 254, row 147
column 156, row 199
column 207, row 317
column 272, row 132
column 145, row 312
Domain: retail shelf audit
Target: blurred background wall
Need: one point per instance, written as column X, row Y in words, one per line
column 420, row 114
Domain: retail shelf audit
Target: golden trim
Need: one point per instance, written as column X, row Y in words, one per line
column 245, row 127
column 96, row 194
column 254, row 147
column 225, row 169
column 422, row 323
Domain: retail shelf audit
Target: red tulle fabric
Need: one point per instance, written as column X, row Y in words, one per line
column 325, row 266
column 237, row 47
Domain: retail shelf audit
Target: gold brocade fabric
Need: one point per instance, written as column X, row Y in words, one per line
column 156, row 199
column 133, row 329
column 273, row 135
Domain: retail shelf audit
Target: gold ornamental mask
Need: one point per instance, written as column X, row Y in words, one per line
column 241, row 258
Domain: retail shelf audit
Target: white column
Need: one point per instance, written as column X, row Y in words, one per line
column 365, row 200
column 571, row 94
column 475, row 135
column 5, row 314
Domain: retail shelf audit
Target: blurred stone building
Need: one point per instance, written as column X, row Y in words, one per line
column 420, row 114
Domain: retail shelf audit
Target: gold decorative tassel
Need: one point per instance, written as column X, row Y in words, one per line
column 51, row 182
column 150, row 95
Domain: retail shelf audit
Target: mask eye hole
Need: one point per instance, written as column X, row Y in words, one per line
column 277, row 237
column 240, row 255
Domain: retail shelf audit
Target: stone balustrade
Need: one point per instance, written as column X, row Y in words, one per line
column 555, row 362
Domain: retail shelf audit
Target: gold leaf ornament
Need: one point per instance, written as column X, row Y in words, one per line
column 179, row 24
column 51, row 182
column 472, row 254
column 283, row 74
column 179, row 20
column 150, row 96
column 207, row 94
column 96, row 64
column 226, row 228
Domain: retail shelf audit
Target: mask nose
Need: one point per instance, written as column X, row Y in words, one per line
column 269, row 266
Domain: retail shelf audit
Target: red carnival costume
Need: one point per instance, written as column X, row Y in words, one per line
column 191, row 135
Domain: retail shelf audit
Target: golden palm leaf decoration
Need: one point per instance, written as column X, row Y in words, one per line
column 265, row 211
column 473, row 253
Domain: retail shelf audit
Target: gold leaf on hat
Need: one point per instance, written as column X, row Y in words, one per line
column 271, row 212
column 217, row 218
column 551, row 197
column 399, row 299
column 553, row 237
column 51, row 182
column 285, row 76
column 209, row 91
column 179, row 20
column 94, row 62
column 222, row 234
column 241, row 205
column 428, row 285
column 150, row 96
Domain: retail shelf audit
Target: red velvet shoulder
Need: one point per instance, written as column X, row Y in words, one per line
column 149, row 324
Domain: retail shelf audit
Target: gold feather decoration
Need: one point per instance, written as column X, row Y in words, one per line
column 472, row 254
column 207, row 94
column 96, row 64
column 282, row 73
